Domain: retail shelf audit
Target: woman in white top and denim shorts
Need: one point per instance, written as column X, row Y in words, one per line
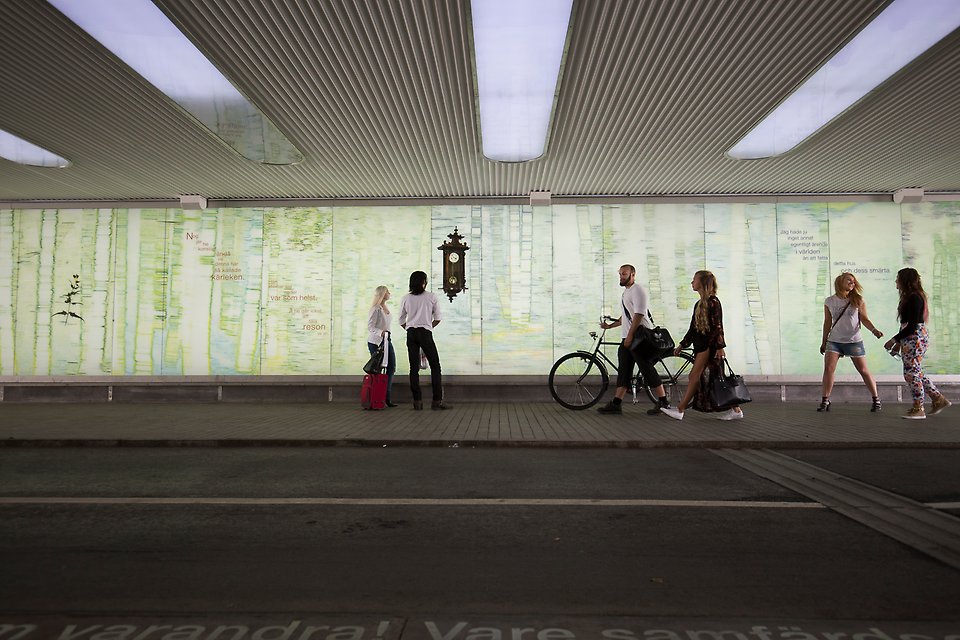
column 843, row 313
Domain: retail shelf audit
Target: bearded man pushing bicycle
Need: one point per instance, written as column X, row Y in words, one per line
column 635, row 306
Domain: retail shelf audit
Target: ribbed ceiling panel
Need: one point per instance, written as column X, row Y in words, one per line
column 380, row 98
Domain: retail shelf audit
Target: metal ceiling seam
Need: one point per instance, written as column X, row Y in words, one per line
column 590, row 137
column 579, row 157
column 646, row 120
column 394, row 128
column 133, row 87
column 615, row 175
column 690, row 137
column 561, row 115
column 441, row 137
column 456, row 129
column 118, row 77
column 573, row 111
column 390, row 172
column 777, row 65
column 403, row 141
column 698, row 137
column 335, row 143
column 250, row 74
column 418, row 142
column 271, row 102
column 637, row 135
column 425, row 85
column 874, row 119
column 689, row 132
column 571, row 107
column 70, row 136
column 880, row 119
column 454, row 74
column 461, row 41
column 47, row 178
column 395, row 134
column 715, row 90
column 318, row 164
column 711, row 143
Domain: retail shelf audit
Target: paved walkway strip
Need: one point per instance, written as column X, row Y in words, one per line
column 932, row 532
column 469, row 424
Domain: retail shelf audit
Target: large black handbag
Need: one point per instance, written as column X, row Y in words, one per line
column 376, row 364
column 651, row 344
column 727, row 389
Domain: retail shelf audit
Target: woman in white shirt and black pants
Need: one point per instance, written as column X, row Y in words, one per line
column 419, row 314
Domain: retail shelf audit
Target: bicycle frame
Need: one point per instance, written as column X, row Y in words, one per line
column 581, row 388
column 598, row 353
column 598, row 342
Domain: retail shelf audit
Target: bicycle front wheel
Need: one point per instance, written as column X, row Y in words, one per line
column 578, row 380
column 673, row 371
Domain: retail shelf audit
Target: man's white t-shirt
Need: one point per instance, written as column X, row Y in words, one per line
column 635, row 300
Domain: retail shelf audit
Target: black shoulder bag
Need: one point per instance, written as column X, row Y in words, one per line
column 650, row 344
column 727, row 389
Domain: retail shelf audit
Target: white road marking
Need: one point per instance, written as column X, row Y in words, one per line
column 386, row 502
column 442, row 502
column 944, row 505
column 934, row 532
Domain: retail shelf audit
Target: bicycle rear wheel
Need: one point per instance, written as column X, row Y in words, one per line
column 673, row 371
column 578, row 380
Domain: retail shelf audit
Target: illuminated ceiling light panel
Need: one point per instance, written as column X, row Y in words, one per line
column 902, row 31
column 22, row 152
column 138, row 33
column 519, row 46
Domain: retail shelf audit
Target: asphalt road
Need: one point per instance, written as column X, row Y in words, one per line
column 514, row 538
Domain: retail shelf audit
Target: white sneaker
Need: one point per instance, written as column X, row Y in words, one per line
column 731, row 414
column 672, row 412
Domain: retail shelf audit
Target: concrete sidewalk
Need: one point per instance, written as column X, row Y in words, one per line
column 766, row 425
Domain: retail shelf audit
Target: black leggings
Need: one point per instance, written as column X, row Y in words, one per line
column 420, row 338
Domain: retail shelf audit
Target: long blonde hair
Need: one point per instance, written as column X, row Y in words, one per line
column 708, row 288
column 856, row 296
column 378, row 295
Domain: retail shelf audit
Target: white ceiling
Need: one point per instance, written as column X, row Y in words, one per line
column 379, row 95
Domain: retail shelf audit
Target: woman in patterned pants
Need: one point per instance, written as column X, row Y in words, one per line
column 912, row 342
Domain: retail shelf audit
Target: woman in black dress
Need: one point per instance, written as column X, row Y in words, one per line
column 706, row 336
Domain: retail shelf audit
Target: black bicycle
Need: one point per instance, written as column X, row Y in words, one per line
column 578, row 380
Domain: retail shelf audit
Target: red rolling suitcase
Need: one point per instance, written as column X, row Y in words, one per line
column 373, row 393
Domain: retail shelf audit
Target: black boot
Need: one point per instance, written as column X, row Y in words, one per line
column 661, row 402
column 612, row 407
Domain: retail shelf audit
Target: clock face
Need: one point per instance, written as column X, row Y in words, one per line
column 452, row 279
column 454, row 257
